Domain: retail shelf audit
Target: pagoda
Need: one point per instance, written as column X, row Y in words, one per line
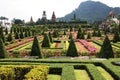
column 53, row 17
column 44, row 17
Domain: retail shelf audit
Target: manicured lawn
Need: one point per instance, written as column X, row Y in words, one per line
column 81, row 74
column 53, row 77
column 105, row 73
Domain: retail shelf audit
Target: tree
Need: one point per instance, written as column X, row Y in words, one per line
column 94, row 33
column 6, row 30
column 46, row 41
column 99, row 33
column 21, row 35
column 50, row 37
column 116, row 37
column 82, row 36
column 29, row 33
column 106, row 49
column 89, row 36
column 55, row 34
column 78, row 34
column 26, row 34
column 17, row 35
column 9, row 38
column 70, row 36
column 36, row 51
column 2, row 36
column 3, row 52
column 72, row 50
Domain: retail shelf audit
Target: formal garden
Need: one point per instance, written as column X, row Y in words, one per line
column 63, row 51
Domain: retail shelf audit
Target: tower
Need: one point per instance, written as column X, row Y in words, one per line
column 53, row 17
column 44, row 17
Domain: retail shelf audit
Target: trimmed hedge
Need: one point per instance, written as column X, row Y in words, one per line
column 68, row 73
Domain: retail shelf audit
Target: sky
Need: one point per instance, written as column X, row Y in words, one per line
column 24, row 9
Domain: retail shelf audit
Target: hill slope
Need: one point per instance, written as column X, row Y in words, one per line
column 91, row 11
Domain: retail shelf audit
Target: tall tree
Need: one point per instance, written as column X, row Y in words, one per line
column 6, row 31
column 36, row 51
column 3, row 52
column 106, row 49
column 50, row 37
column 2, row 36
column 72, row 50
column 46, row 41
column 9, row 37
column 89, row 36
column 17, row 35
column 116, row 37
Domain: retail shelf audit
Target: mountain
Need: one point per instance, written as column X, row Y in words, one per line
column 91, row 11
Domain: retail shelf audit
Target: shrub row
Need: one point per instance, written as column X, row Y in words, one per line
column 68, row 73
column 38, row 73
column 93, row 73
column 113, row 70
column 16, row 72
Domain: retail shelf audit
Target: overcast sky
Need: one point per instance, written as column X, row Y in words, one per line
column 24, row 9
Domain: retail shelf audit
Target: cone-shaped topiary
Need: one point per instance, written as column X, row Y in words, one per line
column 116, row 37
column 78, row 34
column 50, row 37
column 72, row 50
column 3, row 52
column 35, row 51
column 106, row 49
column 99, row 33
column 70, row 36
column 55, row 34
column 89, row 36
column 17, row 35
column 26, row 34
column 94, row 33
column 46, row 41
column 6, row 30
column 21, row 35
column 9, row 38
column 2, row 36
column 29, row 33
column 82, row 36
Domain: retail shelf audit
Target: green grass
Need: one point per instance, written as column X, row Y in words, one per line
column 81, row 75
column 53, row 77
column 105, row 73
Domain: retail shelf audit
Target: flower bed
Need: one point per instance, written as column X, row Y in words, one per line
column 88, row 45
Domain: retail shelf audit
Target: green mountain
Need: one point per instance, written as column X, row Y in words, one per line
column 91, row 11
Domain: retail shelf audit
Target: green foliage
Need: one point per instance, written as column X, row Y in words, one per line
column 17, row 35
column 26, row 34
column 36, row 51
column 3, row 52
column 9, row 38
column 64, row 32
column 79, row 34
column 82, row 36
column 6, row 30
column 106, row 49
column 70, row 36
column 116, row 37
column 72, row 50
column 29, row 33
column 94, row 33
column 2, row 36
column 21, row 35
column 89, row 36
column 55, row 34
column 50, row 37
column 46, row 41
column 99, row 33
